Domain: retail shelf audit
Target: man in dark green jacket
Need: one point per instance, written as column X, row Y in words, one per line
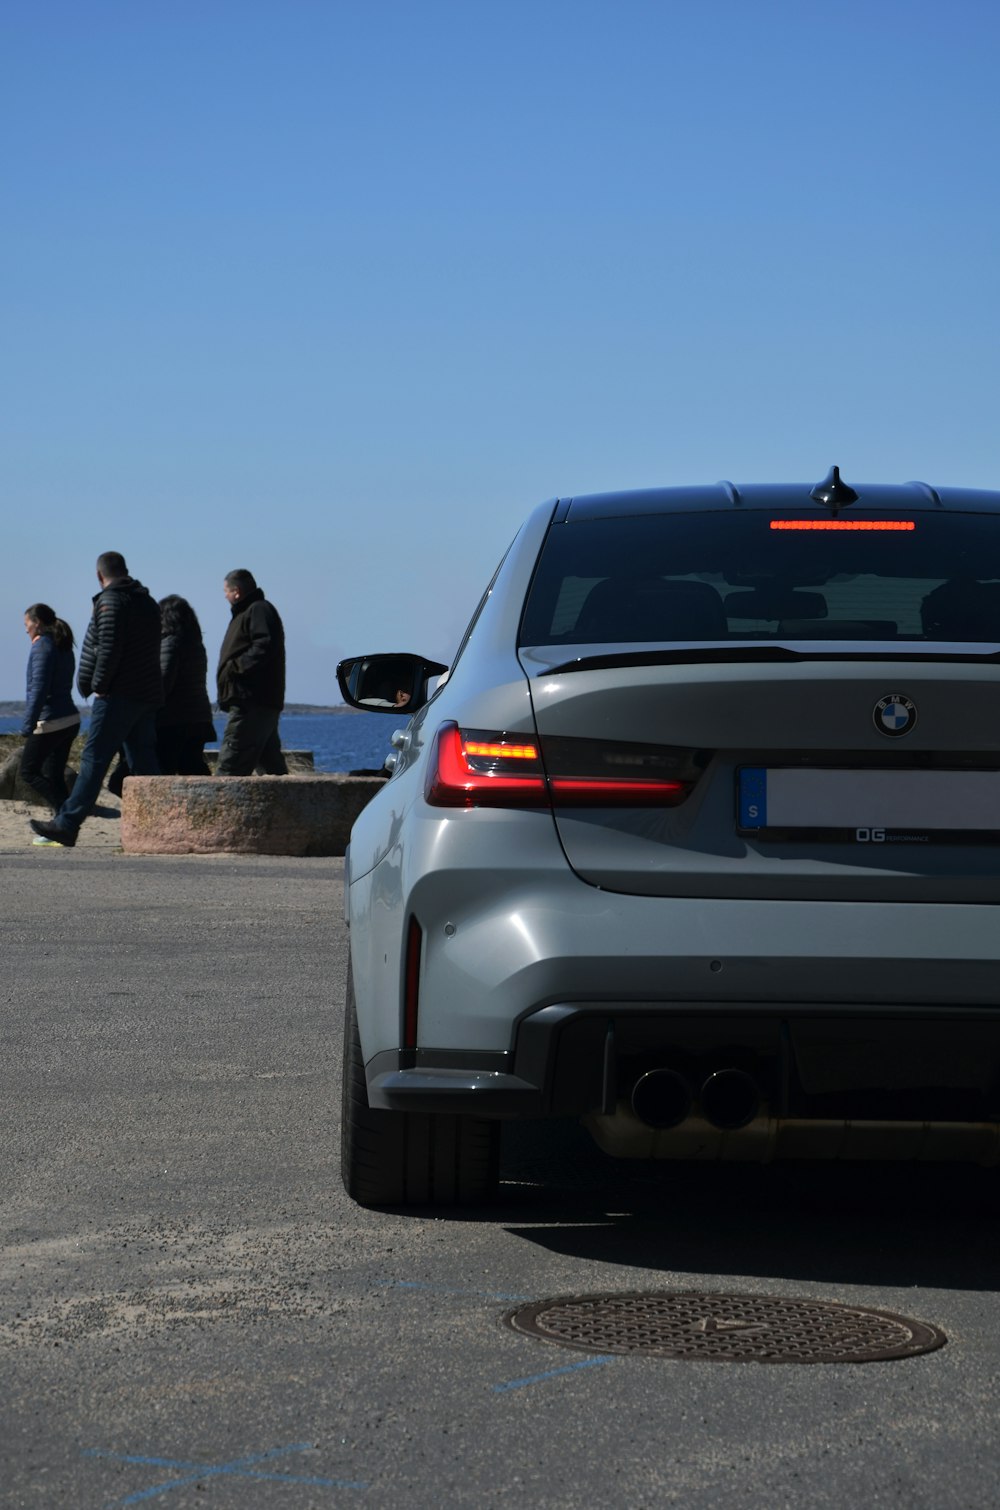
column 251, row 681
column 120, row 666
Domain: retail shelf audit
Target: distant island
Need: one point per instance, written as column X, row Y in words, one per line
column 13, row 708
column 316, row 708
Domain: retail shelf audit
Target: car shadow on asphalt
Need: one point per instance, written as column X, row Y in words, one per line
column 932, row 1226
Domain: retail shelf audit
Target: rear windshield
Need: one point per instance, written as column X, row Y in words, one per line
column 765, row 575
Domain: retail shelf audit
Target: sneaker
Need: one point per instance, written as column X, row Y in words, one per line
column 53, row 833
column 46, row 843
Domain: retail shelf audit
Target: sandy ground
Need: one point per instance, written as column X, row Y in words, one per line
column 97, row 833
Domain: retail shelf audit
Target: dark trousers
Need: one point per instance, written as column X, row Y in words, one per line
column 43, row 764
column 115, row 723
column 181, row 749
column 251, row 743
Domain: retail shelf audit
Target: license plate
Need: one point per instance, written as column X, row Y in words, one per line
column 868, row 806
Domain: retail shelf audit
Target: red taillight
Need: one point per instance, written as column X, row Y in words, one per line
column 472, row 768
column 411, row 983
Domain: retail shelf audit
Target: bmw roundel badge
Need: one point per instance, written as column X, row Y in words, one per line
column 894, row 715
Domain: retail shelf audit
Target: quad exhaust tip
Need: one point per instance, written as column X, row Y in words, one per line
column 730, row 1099
column 663, row 1098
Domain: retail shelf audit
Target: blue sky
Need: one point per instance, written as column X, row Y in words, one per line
column 338, row 290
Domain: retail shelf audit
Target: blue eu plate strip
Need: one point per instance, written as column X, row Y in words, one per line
column 753, row 797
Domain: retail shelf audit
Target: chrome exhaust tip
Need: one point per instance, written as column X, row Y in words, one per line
column 730, row 1099
column 661, row 1098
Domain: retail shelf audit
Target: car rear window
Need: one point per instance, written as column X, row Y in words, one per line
column 760, row 574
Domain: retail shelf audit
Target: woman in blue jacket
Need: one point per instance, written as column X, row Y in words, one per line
column 51, row 718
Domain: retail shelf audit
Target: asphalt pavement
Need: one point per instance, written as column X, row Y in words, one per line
column 194, row 1314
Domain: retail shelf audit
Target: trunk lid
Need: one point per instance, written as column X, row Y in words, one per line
column 832, row 775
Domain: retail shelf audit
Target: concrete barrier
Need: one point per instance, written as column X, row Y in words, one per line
column 242, row 815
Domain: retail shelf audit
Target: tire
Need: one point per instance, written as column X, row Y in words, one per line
column 390, row 1158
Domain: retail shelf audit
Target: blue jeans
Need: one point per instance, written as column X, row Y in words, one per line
column 114, row 722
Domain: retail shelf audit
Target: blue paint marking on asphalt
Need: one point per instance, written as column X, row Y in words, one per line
column 553, row 1373
column 412, row 1284
column 244, row 1468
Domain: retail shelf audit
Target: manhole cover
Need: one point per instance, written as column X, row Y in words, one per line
column 706, row 1328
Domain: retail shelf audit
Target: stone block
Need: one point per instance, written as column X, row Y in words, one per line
column 248, row 815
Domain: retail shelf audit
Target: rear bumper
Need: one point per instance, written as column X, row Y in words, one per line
column 811, row 1063
column 541, row 996
column 508, row 930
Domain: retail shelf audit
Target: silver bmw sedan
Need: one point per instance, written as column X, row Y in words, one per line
column 697, row 839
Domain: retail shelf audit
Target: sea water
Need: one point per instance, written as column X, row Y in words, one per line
column 339, row 741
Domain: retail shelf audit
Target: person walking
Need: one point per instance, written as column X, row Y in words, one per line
column 51, row 718
column 120, row 666
column 184, row 723
column 251, row 681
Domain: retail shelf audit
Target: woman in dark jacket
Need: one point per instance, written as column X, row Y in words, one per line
column 184, row 723
column 51, row 718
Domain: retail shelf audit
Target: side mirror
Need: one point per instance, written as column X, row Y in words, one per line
column 387, row 683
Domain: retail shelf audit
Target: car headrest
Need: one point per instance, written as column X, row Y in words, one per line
column 775, row 603
column 621, row 609
column 962, row 610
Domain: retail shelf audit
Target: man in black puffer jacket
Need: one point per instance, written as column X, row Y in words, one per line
column 251, row 681
column 120, row 665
